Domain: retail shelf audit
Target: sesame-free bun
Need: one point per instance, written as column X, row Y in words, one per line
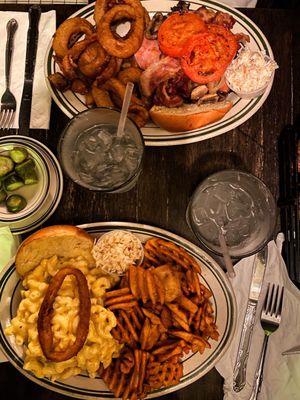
column 188, row 116
column 61, row 240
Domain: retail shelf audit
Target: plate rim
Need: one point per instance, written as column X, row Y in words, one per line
column 210, row 131
column 30, row 223
column 146, row 230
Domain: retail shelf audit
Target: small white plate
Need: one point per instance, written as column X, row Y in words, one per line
column 34, row 194
column 195, row 365
column 25, row 223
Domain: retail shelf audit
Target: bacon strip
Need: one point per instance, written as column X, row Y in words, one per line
column 158, row 72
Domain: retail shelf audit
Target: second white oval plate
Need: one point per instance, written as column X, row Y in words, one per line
column 72, row 103
column 194, row 365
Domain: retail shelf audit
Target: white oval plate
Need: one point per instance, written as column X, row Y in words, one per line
column 27, row 223
column 194, row 365
column 72, row 103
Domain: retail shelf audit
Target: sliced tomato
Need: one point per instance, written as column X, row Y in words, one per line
column 208, row 54
column 223, row 33
column 176, row 30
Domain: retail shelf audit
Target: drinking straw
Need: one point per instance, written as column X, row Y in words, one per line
column 125, row 106
column 226, row 256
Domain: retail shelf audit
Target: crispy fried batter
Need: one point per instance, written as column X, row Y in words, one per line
column 172, row 315
column 46, row 311
column 121, row 47
column 66, row 30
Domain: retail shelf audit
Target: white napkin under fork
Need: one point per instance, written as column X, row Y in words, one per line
column 41, row 98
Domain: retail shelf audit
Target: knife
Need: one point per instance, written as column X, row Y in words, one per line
column 32, row 41
column 239, row 372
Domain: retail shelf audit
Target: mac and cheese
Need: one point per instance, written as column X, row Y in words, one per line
column 100, row 346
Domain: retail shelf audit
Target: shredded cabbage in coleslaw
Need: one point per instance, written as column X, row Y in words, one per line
column 250, row 71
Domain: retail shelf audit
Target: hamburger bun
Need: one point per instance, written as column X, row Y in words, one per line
column 61, row 240
column 188, row 116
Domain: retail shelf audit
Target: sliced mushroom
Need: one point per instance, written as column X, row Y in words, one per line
column 209, row 98
column 154, row 25
column 213, row 87
column 199, row 92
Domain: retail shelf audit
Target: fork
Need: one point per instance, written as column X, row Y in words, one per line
column 8, row 101
column 270, row 320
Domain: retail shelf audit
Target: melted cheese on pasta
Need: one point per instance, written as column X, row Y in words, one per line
column 100, row 346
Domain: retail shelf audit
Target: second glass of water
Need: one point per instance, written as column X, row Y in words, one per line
column 237, row 205
column 94, row 157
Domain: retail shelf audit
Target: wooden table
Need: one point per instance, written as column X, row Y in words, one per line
column 170, row 174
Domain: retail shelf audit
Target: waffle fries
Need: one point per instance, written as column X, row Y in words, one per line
column 163, row 312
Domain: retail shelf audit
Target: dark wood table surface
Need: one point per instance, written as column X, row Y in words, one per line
column 170, row 174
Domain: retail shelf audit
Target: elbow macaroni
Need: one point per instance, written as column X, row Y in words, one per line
column 99, row 347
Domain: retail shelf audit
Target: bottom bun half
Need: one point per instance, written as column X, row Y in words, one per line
column 189, row 116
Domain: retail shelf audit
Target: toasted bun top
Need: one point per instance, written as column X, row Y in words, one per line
column 61, row 240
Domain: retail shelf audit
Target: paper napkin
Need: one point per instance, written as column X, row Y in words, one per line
column 41, row 100
column 8, row 245
column 241, row 3
column 281, row 379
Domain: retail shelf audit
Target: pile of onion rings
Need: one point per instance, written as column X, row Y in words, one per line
column 97, row 62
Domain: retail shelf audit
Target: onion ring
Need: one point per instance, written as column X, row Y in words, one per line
column 130, row 74
column 78, row 48
column 138, row 114
column 59, row 81
column 102, row 6
column 92, row 60
column 69, row 67
column 101, row 97
column 45, row 333
column 115, row 45
column 79, row 86
column 89, row 99
column 110, row 70
column 116, row 90
column 147, row 18
column 65, row 32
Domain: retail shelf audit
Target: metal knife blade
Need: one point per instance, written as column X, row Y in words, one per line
column 32, row 41
column 239, row 372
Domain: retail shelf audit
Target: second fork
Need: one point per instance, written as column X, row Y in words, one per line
column 270, row 320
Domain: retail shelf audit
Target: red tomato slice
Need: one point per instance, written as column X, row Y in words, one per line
column 208, row 54
column 176, row 30
column 222, row 33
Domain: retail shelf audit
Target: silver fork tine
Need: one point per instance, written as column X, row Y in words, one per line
column 10, row 119
column 273, row 297
column 279, row 302
column 3, row 122
column 267, row 303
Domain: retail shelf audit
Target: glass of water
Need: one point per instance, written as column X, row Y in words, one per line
column 237, row 205
column 94, row 157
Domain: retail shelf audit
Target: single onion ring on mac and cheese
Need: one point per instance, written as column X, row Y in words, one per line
column 99, row 347
column 46, row 313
